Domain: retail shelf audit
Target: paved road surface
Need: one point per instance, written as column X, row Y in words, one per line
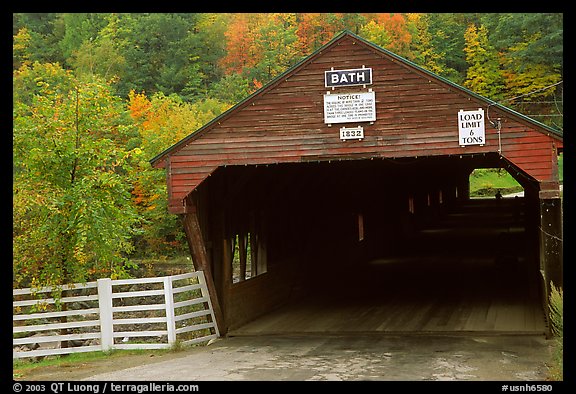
column 352, row 358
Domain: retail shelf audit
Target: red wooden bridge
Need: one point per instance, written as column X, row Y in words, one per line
column 310, row 207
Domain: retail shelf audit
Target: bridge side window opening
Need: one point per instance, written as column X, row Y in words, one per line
column 487, row 182
column 249, row 257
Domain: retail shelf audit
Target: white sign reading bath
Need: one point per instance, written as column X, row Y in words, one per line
column 471, row 127
column 349, row 107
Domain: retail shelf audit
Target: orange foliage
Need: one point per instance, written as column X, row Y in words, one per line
column 396, row 25
column 239, row 44
column 315, row 30
column 138, row 194
column 257, row 84
column 138, row 105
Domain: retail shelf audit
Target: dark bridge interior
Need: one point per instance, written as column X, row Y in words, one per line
column 390, row 245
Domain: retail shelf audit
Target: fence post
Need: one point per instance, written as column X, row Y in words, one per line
column 169, row 301
column 206, row 294
column 105, row 307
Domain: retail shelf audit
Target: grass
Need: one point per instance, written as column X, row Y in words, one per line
column 23, row 367
column 561, row 169
column 557, row 319
column 486, row 181
column 161, row 266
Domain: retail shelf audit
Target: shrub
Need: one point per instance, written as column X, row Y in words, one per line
column 556, row 306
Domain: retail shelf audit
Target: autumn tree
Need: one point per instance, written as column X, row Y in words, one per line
column 101, row 54
column 72, row 215
column 484, row 75
column 240, row 38
column 161, row 121
column 390, row 31
column 531, row 47
column 20, row 53
column 316, row 29
column 528, row 80
column 45, row 31
column 207, row 43
column 422, row 47
column 258, row 48
column 276, row 42
column 447, row 35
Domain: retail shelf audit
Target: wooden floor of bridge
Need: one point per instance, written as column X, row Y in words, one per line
column 468, row 272
column 450, row 297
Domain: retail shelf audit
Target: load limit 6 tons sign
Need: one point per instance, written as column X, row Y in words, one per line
column 471, row 127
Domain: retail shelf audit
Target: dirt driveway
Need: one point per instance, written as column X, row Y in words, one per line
column 337, row 358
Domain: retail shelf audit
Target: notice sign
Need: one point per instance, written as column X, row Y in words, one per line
column 471, row 127
column 349, row 107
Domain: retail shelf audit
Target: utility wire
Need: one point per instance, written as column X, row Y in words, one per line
column 514, row 98
column 535, row 91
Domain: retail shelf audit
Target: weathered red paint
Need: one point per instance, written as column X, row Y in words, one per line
column 416, row 116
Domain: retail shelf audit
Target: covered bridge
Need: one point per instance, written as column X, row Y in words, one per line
column 336, row 199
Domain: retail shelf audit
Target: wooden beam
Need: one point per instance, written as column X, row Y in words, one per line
column 551, row 254
column 200, row 258
column 242, row 250
column 228, row 247
column 551, row 240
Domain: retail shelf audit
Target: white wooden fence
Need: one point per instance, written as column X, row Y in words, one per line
column 145, row 313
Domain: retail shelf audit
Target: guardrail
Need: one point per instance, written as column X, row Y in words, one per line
column 144, row 313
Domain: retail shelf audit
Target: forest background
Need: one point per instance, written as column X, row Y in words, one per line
column 97, row 95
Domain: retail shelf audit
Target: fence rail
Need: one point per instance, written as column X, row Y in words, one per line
column 144, row 313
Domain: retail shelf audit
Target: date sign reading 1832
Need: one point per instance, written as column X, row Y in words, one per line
column 351, row 133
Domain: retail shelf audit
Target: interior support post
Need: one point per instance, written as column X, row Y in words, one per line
column 550, row 234
column 242, row 250
column 464, row 185
column 228, row 246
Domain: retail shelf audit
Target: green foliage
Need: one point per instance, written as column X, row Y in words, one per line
column 193, row 55
column 425, row 54
column 85, row 197
column 72, row 215
column 539, row 35
column 276, row 42
column 79, row 28
column 99, row 57
column 447, row 32
column 232, row 88
column 46, row 32
column 159, row 51
column 561, row 167
column 556, row 313
column 483, row 75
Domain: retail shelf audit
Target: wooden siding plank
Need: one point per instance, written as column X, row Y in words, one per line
column 416, row 116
